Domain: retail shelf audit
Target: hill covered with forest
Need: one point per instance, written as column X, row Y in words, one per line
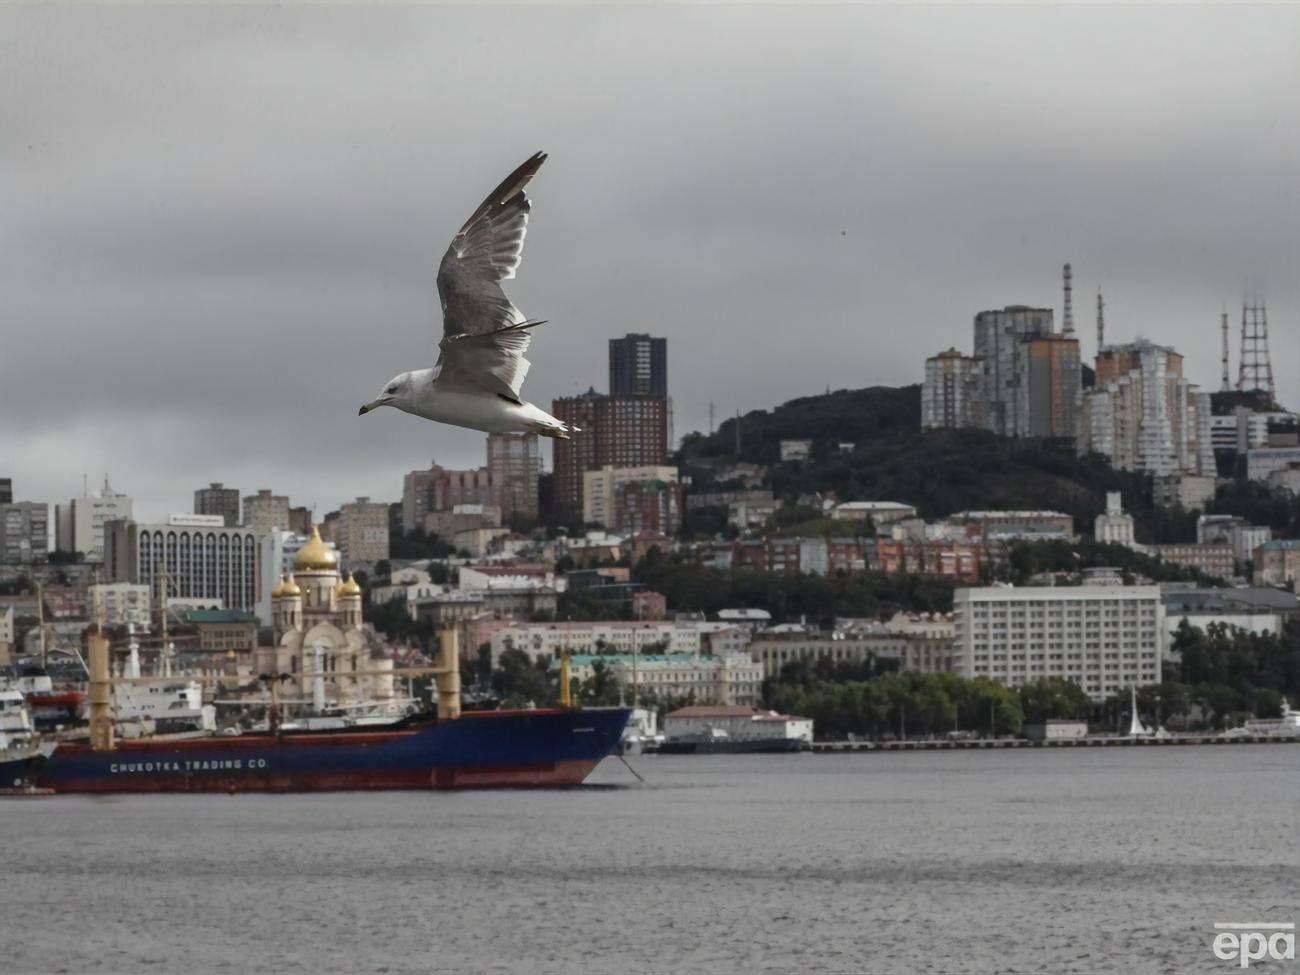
column 867, row 444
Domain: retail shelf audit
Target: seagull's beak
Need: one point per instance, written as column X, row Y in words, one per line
column 369, row 406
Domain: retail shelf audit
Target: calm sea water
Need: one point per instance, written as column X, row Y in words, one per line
column 1114, row 860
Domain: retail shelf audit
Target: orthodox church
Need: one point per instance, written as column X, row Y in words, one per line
column 316, row 616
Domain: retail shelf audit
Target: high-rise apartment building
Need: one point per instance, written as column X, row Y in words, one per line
column 79, row 524
column 200, row 561
column 514, row 469
column 998, row 339
column 1023, row 381
column 24, row 531
column 638, row 366
column 300, row 520
column 361, row 532
column 952, row 394
column 1144, row 416
column 439, row 489
column 1050, row 386
column 615, row 431
column 217, row 499
column 6, row 490
column 265, row 512
column 572, row 458
column 1104, row 638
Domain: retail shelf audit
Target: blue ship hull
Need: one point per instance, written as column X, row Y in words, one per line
column 551, row 747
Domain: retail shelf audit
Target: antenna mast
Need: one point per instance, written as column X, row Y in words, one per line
column 1067, row 316
column 1101, row 322
column 1255, row 369
column 1227, row 384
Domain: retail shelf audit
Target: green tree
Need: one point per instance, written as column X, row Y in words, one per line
column 600, row 689
column 519, row 681
column 1053, row 698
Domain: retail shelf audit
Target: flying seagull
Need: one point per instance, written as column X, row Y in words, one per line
column 481, row 364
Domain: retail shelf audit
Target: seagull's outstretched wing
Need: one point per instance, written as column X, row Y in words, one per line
column 493, row 361
column 484, row 336
column 484, row 253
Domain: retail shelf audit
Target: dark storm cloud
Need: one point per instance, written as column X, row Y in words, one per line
column 219, row 227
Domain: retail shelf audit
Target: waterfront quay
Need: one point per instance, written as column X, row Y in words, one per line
column 1099, row 741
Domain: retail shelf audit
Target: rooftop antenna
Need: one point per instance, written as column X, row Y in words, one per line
column 1101, row 322
column 1255, row 368
column 1067, row 316
column 1227, row 384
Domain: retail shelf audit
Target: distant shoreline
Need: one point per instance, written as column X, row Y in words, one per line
column 832, row 747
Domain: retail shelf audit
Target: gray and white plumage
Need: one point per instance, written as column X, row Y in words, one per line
column 481, row 367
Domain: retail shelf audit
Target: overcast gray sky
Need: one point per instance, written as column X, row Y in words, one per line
column 219, row 228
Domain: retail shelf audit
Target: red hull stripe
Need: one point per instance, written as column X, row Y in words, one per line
column 539, row 775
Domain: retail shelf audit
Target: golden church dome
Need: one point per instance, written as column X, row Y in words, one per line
column 315, row 555
column 351, row 587
column 285, row 587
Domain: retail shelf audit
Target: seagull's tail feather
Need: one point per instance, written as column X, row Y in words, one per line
column 559, row 432
column 538, row 421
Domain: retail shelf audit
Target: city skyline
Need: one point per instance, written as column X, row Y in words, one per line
column 217, row 259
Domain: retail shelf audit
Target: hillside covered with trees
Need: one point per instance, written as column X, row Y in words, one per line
column 867, row 444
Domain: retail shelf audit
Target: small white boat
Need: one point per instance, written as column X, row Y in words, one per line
column 1286, row 726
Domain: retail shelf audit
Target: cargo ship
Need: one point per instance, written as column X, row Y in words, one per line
column 535, row 747
column 544, row 747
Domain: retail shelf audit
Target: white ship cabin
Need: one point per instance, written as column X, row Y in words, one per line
column 15, row 718
column 737, row 722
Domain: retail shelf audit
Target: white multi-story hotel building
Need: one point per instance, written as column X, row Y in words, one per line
column 198, row 555
column 1104, row 638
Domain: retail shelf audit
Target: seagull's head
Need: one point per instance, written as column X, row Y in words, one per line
column 394, row 393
